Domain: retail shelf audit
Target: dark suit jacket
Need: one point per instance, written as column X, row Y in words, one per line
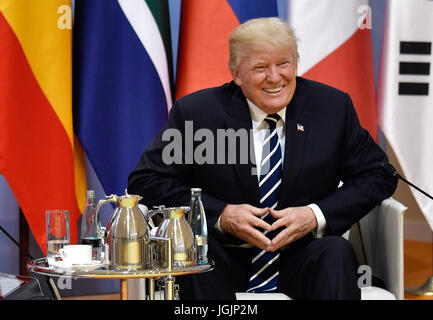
column 332, row 147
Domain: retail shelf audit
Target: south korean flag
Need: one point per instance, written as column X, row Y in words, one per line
column 405, row 95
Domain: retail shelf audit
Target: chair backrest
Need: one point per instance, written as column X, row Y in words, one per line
column 380, row 244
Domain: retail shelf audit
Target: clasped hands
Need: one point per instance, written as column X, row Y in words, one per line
column 241, row 221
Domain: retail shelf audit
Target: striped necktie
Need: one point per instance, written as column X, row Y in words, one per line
column 264, row 275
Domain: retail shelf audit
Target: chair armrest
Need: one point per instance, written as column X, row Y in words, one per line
column 381, row 244
column 389, row 254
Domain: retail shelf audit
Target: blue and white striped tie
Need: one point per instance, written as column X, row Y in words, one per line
column 264, row 275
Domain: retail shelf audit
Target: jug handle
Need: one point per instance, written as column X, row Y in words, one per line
column 158, row 209
column 151, row 213
column 110, row 198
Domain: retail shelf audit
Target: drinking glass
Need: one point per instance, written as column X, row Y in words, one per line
column 57, row 232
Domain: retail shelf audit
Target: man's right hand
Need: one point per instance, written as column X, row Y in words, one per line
column 240, row 220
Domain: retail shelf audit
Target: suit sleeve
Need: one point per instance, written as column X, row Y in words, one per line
column 365, row 181
column 162, row 174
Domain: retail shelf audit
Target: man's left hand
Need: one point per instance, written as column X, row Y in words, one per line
column 298, row 221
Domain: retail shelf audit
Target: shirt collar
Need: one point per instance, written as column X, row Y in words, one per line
column 258, row 115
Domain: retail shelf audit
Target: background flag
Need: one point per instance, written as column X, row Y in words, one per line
column 335, row 48
column 37, row 143
column 405, row 96
column 204, row 30
column 122, row 82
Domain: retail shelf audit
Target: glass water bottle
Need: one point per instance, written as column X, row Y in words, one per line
column 197, row 221
column 90, row 225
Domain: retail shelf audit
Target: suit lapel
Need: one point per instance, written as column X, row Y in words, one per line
column 240, row 118
column 297, row 113
column 297, row 130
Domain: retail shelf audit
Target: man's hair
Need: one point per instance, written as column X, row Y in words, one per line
column 261, row 33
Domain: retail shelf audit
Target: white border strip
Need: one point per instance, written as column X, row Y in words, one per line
column 141, row 19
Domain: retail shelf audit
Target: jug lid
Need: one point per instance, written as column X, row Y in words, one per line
column 177, row 212
column 128, row 200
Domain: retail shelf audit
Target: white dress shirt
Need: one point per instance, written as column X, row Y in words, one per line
column 260, row 128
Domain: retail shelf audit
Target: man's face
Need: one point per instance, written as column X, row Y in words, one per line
column 267, row 78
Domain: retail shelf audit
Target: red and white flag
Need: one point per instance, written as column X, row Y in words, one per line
column 335, row 48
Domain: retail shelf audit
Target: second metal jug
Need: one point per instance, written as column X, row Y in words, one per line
column 175, row 227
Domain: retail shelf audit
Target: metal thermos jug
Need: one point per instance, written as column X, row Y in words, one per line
column 127, row 233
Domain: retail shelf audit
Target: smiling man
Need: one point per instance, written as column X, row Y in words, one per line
column 275, row 223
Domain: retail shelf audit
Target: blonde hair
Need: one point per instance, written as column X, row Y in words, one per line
column 261, row 33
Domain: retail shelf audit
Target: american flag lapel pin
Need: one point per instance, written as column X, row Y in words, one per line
column 300, row 127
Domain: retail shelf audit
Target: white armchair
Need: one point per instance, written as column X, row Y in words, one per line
column 382, row 239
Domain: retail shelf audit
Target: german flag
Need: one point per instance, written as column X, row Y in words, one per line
column 39, row 154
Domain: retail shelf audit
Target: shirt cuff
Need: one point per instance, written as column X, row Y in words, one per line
column 321, row 222
column 218, row 226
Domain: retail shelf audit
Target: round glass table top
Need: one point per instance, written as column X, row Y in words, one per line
column 41, row 266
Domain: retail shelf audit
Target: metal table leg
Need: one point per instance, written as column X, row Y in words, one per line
column 151, row 289
column 169, row 288
column 123, row 289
